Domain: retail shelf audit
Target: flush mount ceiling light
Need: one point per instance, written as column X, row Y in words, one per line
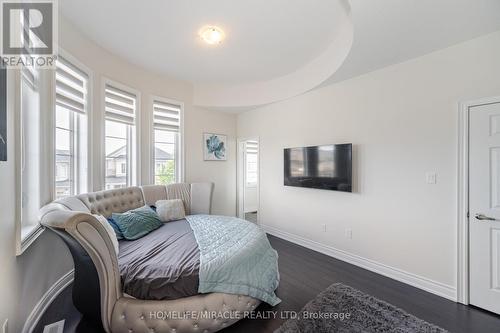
column 212, row 35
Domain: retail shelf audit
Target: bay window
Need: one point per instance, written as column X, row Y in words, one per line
column 30, row 132
column 120, row 140
column 71, row 123
column 167, row 141
column 33, row 147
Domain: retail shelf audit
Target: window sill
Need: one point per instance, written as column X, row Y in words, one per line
column 28, row 235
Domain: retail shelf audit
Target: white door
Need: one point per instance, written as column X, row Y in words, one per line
column 484, row 206
column 252, row 181
column 248, row 179
column 241, row 179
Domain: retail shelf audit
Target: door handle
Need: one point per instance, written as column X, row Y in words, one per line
column 482, row 217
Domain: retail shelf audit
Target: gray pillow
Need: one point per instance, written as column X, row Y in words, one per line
column 137, row 223
column 170, row 210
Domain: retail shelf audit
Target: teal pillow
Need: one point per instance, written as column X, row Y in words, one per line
column 113, row 224
column 137, row 223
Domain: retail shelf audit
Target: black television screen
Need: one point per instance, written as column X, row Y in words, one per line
column 327, row 167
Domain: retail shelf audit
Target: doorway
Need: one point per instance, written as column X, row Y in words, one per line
column 248, row 179
column 479, row 189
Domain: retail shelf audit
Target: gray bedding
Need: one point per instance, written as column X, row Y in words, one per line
column 161, row 265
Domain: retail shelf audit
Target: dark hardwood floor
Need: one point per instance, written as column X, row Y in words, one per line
column 305, row 273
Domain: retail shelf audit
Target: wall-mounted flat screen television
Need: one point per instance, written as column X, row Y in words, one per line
column 327, row 167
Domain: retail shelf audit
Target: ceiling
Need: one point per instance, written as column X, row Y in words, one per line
column 264, row 38
column 275, row 49
column 387, row 32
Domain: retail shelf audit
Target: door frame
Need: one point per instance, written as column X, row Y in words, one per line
column 463, row 195
column 240, row 177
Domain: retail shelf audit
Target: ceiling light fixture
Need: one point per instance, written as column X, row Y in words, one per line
column 212, row 35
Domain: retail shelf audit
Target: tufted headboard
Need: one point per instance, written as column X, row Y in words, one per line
column 112, row 201
column 72, row 218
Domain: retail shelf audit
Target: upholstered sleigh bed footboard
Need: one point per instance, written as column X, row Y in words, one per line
column 201, row 313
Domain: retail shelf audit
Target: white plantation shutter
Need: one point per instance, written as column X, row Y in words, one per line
column 71, row 87
column 166, row 116
column 120, row 105
column 252, row 147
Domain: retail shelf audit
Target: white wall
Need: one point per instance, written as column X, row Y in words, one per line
column 26, row 278
column 222, row 173
column 403, row 123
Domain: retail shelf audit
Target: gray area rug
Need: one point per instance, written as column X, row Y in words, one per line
column 343, row 309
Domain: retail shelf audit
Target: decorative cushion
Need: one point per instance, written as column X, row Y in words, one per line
column 170, row 210
column 137, row 223
column 109, row 230
column 115, row 227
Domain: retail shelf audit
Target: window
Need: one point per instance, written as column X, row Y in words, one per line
column 120, row 137
column 166, row 155
column 71, row 110
column 252, row 149
column 31, row 150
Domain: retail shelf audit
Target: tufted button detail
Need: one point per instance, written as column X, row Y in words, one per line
column 130, row 330
column 123, row 316
column 133, row 311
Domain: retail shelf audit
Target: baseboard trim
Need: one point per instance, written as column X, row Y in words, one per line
column 47, row 299
column 437, row 288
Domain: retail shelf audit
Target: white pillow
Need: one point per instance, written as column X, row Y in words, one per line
column 109, row 230
column 170, row 210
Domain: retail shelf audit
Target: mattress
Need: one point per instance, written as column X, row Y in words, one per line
column 161, row 265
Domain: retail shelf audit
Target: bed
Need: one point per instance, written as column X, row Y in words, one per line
column 162, row 265
column 187, row 266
